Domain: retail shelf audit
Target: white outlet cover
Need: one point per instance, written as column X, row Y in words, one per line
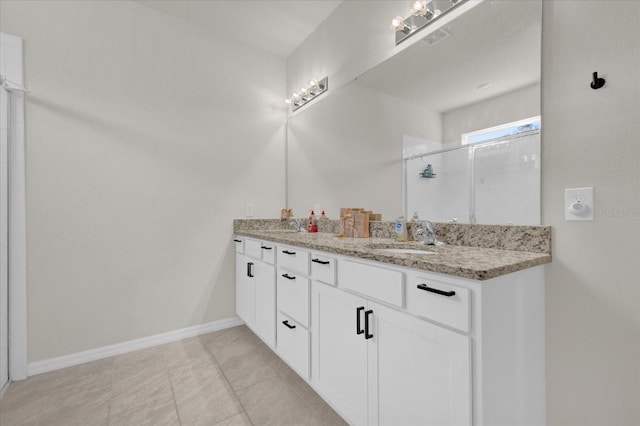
column 579, row 204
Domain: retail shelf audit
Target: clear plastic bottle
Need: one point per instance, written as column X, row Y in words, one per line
column 401, row 228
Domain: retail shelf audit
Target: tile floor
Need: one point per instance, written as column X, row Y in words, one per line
column 229, row 377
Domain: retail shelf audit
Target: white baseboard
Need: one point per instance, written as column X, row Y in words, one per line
column 57, row 363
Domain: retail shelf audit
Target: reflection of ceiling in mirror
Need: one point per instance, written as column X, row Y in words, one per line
column 496, row 42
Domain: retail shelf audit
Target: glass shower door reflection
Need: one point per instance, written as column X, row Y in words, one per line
column 506, row 181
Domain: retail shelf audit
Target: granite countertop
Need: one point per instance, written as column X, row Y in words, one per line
column 476, row 263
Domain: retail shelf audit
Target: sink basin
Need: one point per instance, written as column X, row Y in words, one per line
column 280, row 231
column 400, row 248
column 405, row 251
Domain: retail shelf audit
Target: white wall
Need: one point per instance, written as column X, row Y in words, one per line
column 346, row 151
column 589, row 138
column 506, row 108
column 142, row 146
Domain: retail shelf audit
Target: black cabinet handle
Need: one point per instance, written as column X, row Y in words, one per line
column 366, row 324
column 358, row 329
column 322, row 262
column 286, row 322
column 288, row 252
column 289, row 277
column 266, row 248
column 237, row 241
column 435, row 290
column 250, row 269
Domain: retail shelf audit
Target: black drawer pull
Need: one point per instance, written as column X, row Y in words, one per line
column 366, row 324
column 288, row 252
column 289, row 277
column 322, row 262
column 359, row 330
column 250, row 269
column 286, row 322
column 237, row 241
column 266, row 248
column 435, row 290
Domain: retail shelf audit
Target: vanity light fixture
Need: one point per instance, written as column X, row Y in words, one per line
column 422, row 14
column 308, row 93
column 398, row 24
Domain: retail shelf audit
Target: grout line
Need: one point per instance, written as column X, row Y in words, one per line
column 113, row 379
column 173, row 392
column 244, row 410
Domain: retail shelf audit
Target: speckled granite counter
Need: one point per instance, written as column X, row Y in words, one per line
column 477, row 263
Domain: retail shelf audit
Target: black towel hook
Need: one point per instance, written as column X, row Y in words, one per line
column 597, row 82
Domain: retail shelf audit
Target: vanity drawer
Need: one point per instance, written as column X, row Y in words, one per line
column 294, row 259
column 373, row 281
column 293, row 296
column 268, row 252
column 445, row 303
column 252, row 248
column 323, row 268
column 293, row 344
column 239, row 242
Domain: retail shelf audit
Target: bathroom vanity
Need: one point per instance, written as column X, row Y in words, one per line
column 445, row 335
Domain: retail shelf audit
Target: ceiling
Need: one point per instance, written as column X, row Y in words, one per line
column 273, row 26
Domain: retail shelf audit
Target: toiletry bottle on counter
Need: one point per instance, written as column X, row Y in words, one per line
column 322, row 222
column 313, row 222
column 401, row 228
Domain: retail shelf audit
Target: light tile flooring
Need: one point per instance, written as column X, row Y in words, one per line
column 229, row 377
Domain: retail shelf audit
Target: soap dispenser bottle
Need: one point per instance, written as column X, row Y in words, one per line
column 401, row 228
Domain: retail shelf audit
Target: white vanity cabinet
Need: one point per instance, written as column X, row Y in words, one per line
column 256, row 287
column 379, row 365
column 389, row 345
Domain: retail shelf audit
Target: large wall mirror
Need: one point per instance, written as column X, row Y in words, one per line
column 448, row 128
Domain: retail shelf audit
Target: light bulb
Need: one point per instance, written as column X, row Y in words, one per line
column 295, row 96
column 287, row 101
column 418, row 8
column 398, row 24
column 313, row 82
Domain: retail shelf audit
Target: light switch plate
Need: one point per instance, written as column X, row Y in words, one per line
column 578, row 204
column 249, row 208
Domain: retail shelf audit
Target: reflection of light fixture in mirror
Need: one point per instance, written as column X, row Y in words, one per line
column 420, row 8
column 421, row 16
column 398, row 24
column 308, row 93
column 483, row 86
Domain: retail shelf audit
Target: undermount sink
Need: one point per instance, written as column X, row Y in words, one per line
column 405, row 251
column 400, row 248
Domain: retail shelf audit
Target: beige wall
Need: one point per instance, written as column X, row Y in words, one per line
column 142, row 146
column 590, row 138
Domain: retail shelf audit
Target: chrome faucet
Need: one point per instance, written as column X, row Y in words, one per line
column 295, row 222
column 429, row 234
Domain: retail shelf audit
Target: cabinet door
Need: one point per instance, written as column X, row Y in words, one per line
column 245, row 289
column 422, row 372
column 265, row 302
column 339, row 354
